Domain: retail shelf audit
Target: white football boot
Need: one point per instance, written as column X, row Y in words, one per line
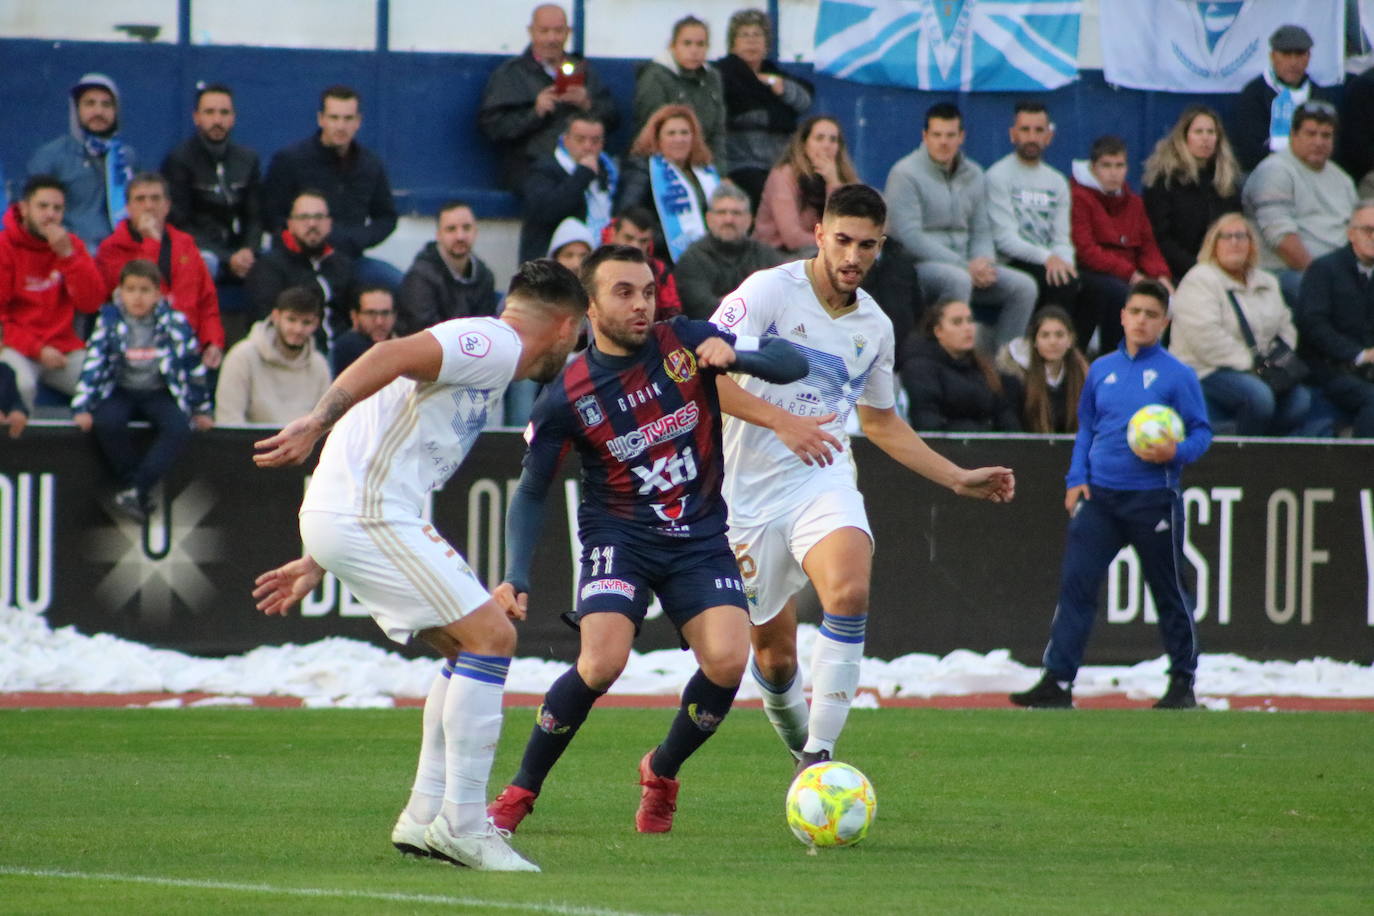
column 409, row 837
column 486, row 850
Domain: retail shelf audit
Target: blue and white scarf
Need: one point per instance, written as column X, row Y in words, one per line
column 599, row 193
column 681, row 214
column 118, row 172
column 1286, row 101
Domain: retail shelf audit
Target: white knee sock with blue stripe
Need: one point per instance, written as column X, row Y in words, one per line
column 785, row 707
column 427, row 794
column 472, row 728
column 834, row 678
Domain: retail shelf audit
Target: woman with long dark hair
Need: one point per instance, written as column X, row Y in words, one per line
column 950, row 384
column 1051, row 370
column 815, row 163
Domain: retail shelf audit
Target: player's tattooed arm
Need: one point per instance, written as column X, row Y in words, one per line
column 333, row 404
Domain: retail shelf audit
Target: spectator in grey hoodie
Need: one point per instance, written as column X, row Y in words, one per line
column 937, row 205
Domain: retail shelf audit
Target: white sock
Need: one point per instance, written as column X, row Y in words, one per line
column 834, row 678
column 472, row 728
column 785, row 707
column 427, row 794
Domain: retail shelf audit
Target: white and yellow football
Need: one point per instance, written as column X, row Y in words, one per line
column 1153, row 424
column 830, row 804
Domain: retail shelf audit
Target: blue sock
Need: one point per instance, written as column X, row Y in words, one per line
column 563, row 711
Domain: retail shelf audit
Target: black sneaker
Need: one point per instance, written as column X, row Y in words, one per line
column 130, row 505
column 1047, row 694
column 1179, row 695
column 810, row 759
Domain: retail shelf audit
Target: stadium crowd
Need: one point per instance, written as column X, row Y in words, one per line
column 992, row 277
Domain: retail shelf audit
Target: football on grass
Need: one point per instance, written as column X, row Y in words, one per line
column 830, row 804
column 1153, row 424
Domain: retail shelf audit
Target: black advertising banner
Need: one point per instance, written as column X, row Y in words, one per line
column 1280, row 548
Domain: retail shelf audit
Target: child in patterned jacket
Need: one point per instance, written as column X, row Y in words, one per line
column 141, row 361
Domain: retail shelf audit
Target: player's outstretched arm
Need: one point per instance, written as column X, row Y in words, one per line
column 769, row 358
column 418, row 356
column 278, row 590
column 892, row 434
column 805, row 436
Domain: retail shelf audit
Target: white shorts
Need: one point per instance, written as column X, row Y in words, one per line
column 770, row 554
column 406, row 575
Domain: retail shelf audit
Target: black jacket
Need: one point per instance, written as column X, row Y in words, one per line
column 1355, row 138
column 1180, row 215
column 949, row 394
column 709, row 269
column 1335, row 314
column 355, row 186
column 281, row 267
column 551, row 196
column 429, row 294
column 1249, row 121
column 217, row 201
column 508, row 119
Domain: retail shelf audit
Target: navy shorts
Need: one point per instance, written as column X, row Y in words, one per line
column 619, row 575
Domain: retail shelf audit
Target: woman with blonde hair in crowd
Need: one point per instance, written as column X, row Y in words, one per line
column 1207, row 336
column 951, row 386
column 762, row 101
column 1051, row 369
column 815, row 163
column 669, row 172
column 1191, row 178
column 680, row 75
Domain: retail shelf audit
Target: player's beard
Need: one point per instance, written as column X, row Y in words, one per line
column 840, row 283
column 622, row 336
column 548, row 366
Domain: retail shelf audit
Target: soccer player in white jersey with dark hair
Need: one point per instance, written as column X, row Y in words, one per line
column 407, row 413
column 792, row 520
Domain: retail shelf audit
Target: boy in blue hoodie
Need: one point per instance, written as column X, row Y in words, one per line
column 142, row 361
column 1115, row 498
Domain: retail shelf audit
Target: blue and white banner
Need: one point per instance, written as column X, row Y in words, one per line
column 961, row 45
column 1191, row 46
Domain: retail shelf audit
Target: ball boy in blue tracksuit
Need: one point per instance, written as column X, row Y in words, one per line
column 1116, row 498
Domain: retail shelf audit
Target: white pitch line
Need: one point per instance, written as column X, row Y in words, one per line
column 558, row 909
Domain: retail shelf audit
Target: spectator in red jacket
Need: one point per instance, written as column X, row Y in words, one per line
column 1113, row 240
column 46, row 277
column 186, row 282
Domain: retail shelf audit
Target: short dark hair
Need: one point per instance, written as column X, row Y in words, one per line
column 1152, row 288
column 342, row 93
column 156, row 178
column 1030, row 106
column 307, row 192
column 42, row 182
column 357, row 302
column 857, row 200
column 140, row 267
column 640, row 216
column 586, row 117
column 545, row 281
column 1314, row 110
column 207, row 88
column 627, row 253
column 299, row 300
column 1107, row 145
column 944, row 111
column 453, row 204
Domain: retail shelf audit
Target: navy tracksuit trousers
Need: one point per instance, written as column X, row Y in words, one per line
column 1151, row 521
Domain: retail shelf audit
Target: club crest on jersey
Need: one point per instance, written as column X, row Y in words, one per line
column 860, row 342
column 681, row 364
column 474, row 344
column 1149, row 376
column 589, row 410
column 733, row 312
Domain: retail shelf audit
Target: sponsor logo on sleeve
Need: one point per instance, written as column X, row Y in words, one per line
column 474, row 344
column 732, row 312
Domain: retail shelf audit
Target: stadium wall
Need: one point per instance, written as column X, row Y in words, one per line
column 1280, row 545
column 420, row 109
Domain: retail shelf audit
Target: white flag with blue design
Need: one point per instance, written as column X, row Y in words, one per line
column 959, row 45
column 1191, row 46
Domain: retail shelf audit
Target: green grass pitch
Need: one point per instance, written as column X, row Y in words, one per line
column 289, row 811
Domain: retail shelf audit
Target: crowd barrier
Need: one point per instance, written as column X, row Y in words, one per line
column 1280, row 549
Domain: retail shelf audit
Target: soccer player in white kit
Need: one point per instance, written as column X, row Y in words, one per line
column 791, row 520
column 417, row 405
